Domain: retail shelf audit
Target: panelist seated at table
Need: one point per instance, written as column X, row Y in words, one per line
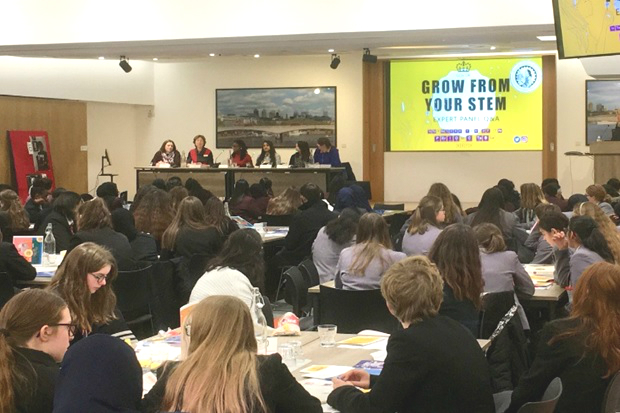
column 302, row 157
column 268, row 155
column 222, row 372
column 240, row 156
column 361, row 266
column 326, row 154
column 432, row 365
column 167, row 155
column 200, row 155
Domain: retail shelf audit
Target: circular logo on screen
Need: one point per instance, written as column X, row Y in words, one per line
column 525, row 76
column 517, row 139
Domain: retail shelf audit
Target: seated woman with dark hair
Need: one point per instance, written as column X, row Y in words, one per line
column 337, row 235
column 424, row 227
column 143, row 246
column 94, row 224
column 582, row 350
column 301, row 158
column 240, row 156
column 456, row 254
column 268, row 155
column 553, row 194
column 432, row 364
column 154, row 214
column 62, row 217
column 260, row 199
column 167, row 155
column 361, row 266
column 490, row 210
column 243, row 204
column 15, row 216
column 215, row 215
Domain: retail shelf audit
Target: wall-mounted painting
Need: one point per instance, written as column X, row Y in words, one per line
column 602, row 110
column 281, row 115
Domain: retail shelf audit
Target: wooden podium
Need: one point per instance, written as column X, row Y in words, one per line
column 606, row 160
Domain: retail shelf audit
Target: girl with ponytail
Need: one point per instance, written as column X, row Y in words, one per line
column 35, row 330
column 425, row 226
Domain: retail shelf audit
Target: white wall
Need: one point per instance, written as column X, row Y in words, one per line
column 79, row 21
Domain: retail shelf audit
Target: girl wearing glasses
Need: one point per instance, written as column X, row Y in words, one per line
column 35, row 330
column 84, row 281
column 222, row 372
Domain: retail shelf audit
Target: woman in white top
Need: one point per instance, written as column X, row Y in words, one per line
column 501, row 269
column 424, row 227
column 361, row 266
column 268, row 155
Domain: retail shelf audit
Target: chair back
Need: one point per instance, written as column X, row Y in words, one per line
column 278, row 220
column 391, row 207
column 6, row 289
column 133, row 296
column 309, row 272
column 549, row 399
column 197, row 265
column 268, row 311
column 296, row 290
column 348, row 170
column 354, row 311
column 494, row 307
column 611, row 402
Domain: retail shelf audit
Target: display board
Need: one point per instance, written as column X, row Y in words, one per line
column 31, row 157
column 466, row 105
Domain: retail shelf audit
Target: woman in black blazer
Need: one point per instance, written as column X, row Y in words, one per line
column 432, row 365
column 222, row 365
column 62, row 219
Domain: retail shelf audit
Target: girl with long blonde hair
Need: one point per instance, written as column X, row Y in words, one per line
column 605, row 225
column 222, row 373
column 531, row 197
column 361, row 266
column 453, row 212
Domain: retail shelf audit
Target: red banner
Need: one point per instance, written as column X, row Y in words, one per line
column 31, row 158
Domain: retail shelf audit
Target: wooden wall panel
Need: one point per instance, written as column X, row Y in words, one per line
column 550, row 119
column 374, row 127
column 65, row 123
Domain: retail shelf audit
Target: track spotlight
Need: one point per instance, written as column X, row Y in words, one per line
column 124, row 64
column 335, row 61
column 367, row 57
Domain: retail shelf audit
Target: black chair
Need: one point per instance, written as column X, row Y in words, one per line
column 611, row 402
column 278, row 220
column 165, row 302
column 309, row 272
column 354, row 311
column 268, row 311
column 6, row 289
column 494, row 307
column 197, row 265
column 133, row 295
column 390, row 207
column 548, row 401
column 296, row 290
column 348, row 170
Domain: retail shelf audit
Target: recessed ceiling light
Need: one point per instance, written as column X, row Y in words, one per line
column 546, row 38
column 211, row 54
column 101, row 58
column 155, row 59
column 257, row 55
column 330, row 50
column 493, row 48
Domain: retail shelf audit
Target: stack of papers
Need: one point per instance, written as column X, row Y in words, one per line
column 324, row 371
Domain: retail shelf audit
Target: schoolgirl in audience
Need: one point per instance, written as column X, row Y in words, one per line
column 268, row 185
column 268, row 155
column 84, row 280
column 584, row 237
column 241, row 202
column 531, row 197
column 177, row 194
column 454, row 214
column 352, row 196
column 260, row 199
column 94, row 223
column 100, row 374
column 215, row 215
column 361, row 266
column 501, row 269
column 143, row 246
column 12, row 263
column 109, row 192
column 301, row 158
column 286, row 203
column 15, row 214
column 189, row 233
column 490, row 211
column 512, row 200
column 424, row 226
column 173, row 182
column 605, row 225
column 154, row 214
column 63, row 219
column 236, row 270
column 222, row 372
column 598, row 196
column 337, row 235
column 553, row 194
column 240, row 156
column 456, row 254
column 37, row 203
column 543, row 251
column 140, row 194
column 573, row 201
column 433, row 364
column 195, row 189
column 167, row 155
column 582, row 350
column 35, row 331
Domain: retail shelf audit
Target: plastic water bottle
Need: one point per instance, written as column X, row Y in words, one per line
column 49, row 246
column 226, row 210
column 260, row 329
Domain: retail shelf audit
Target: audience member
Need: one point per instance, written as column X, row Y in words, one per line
column 242, row 203
column 143, row 246
column 189, row 234
column 260, row 199
column 424, row 226
column 543, row 252
column 531, row 197
column 501, row 269
column 100, row 374
column 12, row 263
column 337, row 235
column 195, row 189
column 94, row 224
column 286, row 203
column 84, row 280
column 454, row 214
column 154, row 214
column 35, row 330
column 109, row 192
column 456, row 254
column 553, row 195
column 159, row 184
column 215, row 215
column 173, row 182
column 140, row 194
column 512, row 200
column 597, row 195
column 36, row 204
column 582, row 350
column 352, row 196
column 177, row 194
column 268, row 185
column 573, row 200
column 432, row 365
column 268, row 155
column 62, row 217
column 490, row 211
column 15, row 215
column 222, row 372
column 605, row 225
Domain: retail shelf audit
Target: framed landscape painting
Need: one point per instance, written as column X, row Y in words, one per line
column 281, row 115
